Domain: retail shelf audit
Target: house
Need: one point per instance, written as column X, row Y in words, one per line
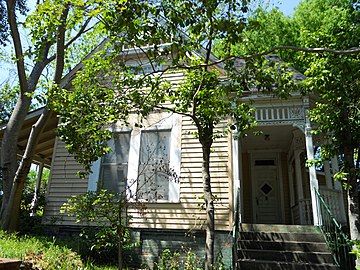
column 257, row 179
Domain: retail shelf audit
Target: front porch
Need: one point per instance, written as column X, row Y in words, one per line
column 276, row 185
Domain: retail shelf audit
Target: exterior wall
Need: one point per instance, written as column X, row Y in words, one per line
column 286, row 188
column 185, row 214
column 247, row 200
column 63, row 184
column 153, row 242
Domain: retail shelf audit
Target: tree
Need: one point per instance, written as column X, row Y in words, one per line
column 108, row 88
column 62, row 23
column 333, row 78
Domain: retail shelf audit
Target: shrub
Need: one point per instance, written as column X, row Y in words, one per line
column 184, row 260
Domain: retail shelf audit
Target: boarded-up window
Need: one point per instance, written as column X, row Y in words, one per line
column 154, row 160
column 114, row 165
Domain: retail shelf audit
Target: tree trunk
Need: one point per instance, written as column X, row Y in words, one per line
column 9, row 160
column 353, row 196
column 120, row 249
column 9, row 220
column 210, row 210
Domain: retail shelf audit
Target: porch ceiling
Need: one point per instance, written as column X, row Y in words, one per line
column 45, row 147
column 271, row 137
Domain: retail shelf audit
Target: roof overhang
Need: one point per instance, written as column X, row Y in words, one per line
column 45, row 147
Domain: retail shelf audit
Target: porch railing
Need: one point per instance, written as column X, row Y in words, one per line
column 332, row 198
column 302, row 212
column 336, row 239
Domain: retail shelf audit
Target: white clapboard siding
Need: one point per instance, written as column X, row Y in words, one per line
column 185, row 214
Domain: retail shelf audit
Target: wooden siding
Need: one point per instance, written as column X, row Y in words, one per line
column 63, row 184
column 247, row 201
column 185, row 214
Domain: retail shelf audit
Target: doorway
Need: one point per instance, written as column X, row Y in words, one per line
column 266, row 190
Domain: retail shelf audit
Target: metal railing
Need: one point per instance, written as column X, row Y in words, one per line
column 236, row 228
column 338, row 242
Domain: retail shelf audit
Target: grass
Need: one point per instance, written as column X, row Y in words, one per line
column 43, row 253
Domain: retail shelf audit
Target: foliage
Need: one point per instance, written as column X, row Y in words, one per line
column 31, row 211
column 186, row 259
column 45, row 253
column 108, row 212
column 7, row 101
column 39, row 252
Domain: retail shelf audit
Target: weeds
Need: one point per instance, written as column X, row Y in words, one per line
column 42, row 253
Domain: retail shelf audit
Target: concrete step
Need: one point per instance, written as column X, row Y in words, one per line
column 282, row 246
column 278, row 228
column 282, row 237
column 272, row 265
column 263, row 246
column 286, row 256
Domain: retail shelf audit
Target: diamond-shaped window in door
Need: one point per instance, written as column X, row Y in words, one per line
column 266, row 189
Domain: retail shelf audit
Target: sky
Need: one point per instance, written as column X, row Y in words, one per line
column 286, row 6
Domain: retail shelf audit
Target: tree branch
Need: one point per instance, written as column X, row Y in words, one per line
column 74, row 38
column 60, row 44
column 11, row 6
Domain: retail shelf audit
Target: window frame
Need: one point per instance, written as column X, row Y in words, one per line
column 172, row 123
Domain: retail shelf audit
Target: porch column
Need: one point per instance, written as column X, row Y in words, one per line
column 291, row 183
column 237, row 172
column 37, row 188
column 314, row 185
column 299, row 185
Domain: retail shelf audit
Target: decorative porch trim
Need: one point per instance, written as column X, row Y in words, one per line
column 280, row 115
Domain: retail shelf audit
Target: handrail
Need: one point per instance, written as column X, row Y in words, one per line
column 338, row 242
column 236, row 227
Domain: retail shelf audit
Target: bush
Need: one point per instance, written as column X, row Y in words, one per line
column 184, row 260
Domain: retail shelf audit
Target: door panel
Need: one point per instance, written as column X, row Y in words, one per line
column 267, row 200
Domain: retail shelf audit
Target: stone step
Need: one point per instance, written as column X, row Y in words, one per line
column 286, row 256
column 289, row 246
column 272, row 265
column 282, row 237
column 278, row 228
column 295, row 247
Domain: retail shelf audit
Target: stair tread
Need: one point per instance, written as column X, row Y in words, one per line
column 283, row 262
column 278, row 228
column 290, row 241
column 267, row 265
column 290, row 251
column 261, row 246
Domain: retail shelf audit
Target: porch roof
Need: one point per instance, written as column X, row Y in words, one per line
column 44, row 149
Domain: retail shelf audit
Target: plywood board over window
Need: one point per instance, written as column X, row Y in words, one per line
column 142, row 162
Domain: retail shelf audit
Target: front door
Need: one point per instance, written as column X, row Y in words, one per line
column 266, row 195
